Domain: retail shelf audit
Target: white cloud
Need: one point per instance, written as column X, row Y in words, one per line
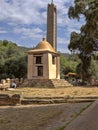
column 3, row 31
column 30, row 11
column 23, row 11
column 29, row 33
column 64, row 50
column 62, row 40
column 27, row 18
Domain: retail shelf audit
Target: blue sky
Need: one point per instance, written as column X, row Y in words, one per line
column 24, row 22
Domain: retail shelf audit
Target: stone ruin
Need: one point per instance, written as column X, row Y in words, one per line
column 6, row 83
column 6, row 99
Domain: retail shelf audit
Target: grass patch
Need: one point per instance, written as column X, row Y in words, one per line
column 60, row 128
column 52, row 92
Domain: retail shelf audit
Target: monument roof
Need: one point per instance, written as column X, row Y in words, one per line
column 43, row 46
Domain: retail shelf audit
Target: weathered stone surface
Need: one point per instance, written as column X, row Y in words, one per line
column 4, row 84
column 54, row 101
column 50, row 83
column 15, row 99
column 36, row 101
column 5, row 99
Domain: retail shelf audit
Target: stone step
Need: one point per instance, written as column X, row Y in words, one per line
column 60, row 83
column 15, row 99
column 62, row 97
column 54, row 101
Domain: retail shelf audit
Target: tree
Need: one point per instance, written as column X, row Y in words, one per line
column 5, row 42
column 68, row 63
column 13, row 60
column 85, row 43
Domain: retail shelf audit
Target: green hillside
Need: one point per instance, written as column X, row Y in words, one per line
column 13, row 60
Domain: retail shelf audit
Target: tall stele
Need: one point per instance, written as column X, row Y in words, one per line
column 52, row 25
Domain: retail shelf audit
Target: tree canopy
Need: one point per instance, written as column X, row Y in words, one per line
column 68, row 63
column 13, row 60
column 85, row 43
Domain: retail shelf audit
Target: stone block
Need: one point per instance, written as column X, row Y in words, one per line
column 5, row 99
column 15, row 99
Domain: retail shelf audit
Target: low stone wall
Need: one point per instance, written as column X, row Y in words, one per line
column 6, row 99
column 7, row 83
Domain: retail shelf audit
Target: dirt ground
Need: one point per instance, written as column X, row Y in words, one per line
column 44, row 117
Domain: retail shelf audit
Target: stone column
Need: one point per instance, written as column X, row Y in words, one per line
column 30, row 66
column 58, row 67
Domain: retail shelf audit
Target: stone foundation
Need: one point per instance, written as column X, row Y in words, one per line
column 50, row 83
column 6, row 99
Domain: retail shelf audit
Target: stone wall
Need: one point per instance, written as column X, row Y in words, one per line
column 6, row 83
column 6, row 99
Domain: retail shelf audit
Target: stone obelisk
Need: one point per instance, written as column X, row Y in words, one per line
column 52, row 25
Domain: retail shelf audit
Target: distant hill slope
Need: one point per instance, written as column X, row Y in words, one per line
column 13, row 60
column 9, row 49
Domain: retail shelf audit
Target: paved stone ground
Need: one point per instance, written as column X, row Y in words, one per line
column 88, row 120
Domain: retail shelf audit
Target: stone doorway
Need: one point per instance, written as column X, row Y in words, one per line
column 40, row 70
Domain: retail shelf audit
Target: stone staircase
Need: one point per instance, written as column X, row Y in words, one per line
column 60, row 83
column 46, row 83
